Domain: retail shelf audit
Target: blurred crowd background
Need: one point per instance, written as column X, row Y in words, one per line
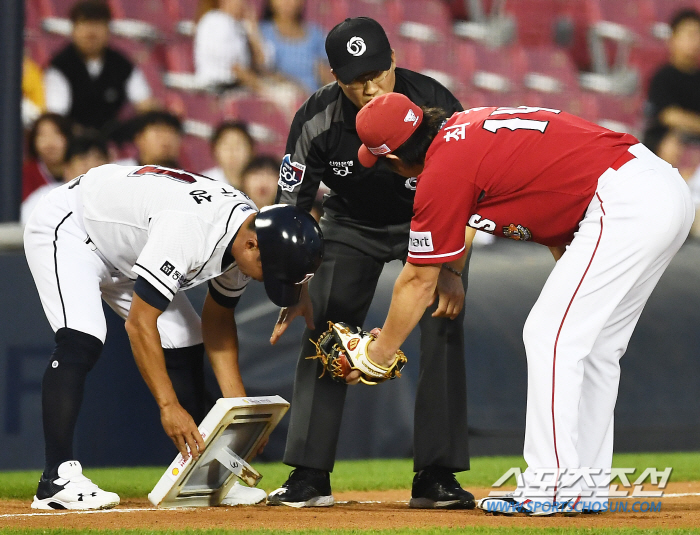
column 212, row 85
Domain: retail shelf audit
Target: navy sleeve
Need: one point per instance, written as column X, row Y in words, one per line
column 221, row 299
column 146, row 291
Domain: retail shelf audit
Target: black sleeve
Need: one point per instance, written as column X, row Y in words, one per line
column 661, row 92
column 221, row 299
column 146, row 291
column 302, row 170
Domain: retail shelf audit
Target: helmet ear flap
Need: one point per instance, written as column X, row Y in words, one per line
column 291, row 250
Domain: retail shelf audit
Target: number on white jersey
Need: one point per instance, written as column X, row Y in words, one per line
column 174, row 174
column 516, row 123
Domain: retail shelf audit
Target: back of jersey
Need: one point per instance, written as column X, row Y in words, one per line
column 122, row 205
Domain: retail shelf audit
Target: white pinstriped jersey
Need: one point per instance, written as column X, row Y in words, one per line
column 170, row 227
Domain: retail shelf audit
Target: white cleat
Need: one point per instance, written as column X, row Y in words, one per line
column 72, row 490
column 242, row 495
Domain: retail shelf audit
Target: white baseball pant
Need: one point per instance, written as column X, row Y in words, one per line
column 581, row 324
column 72, row 277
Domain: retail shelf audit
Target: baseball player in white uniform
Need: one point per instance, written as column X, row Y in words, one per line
column 134, row 236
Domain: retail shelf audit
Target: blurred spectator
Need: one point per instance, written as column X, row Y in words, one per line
column 298, row 47
column 33, row 102
column 46, row 147
column 228, row 47
column 157, row 136
column 232, row 147
column 83, row 153
column 89, row 81
column 674, row 93
column 260, row 180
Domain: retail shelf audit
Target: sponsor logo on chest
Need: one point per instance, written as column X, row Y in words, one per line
column 341, row 168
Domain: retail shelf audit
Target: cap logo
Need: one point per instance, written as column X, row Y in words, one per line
column 356, row 46
column 378, row 151
column 410, row 117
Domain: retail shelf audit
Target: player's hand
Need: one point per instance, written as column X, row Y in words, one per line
column 354, row 376
column 302, row 308
column 180, row 427
column 450, row 295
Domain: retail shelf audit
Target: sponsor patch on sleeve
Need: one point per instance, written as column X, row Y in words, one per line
column 291, row 173
column 420, row 242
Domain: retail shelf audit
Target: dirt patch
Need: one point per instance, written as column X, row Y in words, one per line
column 359, row 510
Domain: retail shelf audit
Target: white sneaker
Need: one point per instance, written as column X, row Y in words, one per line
column 242, row 495
column 72, row 490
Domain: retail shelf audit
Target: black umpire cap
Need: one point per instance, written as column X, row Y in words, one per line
column 357, row 46
column 291, row 249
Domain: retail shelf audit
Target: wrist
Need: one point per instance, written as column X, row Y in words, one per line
column 452, row 270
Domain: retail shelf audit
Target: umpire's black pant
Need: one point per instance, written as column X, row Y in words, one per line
column 342, row 290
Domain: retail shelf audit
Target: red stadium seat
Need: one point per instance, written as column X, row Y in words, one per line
column 201, row 107
column 472, row 99
column 625, row 111
column 550, row 69
column 268, row 124
column 195, row 154
column 499, row 70
column 43, row 47
column 160, row 14
column 424, row 20
column 375, row 10
column 450, row 61
column 637, row 15
column 327, row 14
column 665, row 10
column 536, row 20
column 55, row 8
column 579, row 103
column 32, row 17
column 179, row 56
column 647, row 57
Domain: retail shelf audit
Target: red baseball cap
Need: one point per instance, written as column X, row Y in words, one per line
column 384, row 124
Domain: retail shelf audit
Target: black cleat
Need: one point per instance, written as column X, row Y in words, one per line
column 436, row 488
column 305, row 487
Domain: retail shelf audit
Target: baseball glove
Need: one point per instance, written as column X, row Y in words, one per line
column 343, row 348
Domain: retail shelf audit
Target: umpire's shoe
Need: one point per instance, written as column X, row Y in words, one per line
column 71, row 490
column 305, row 487
column 436, row 488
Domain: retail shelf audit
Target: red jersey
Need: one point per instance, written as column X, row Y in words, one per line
column 522, row 173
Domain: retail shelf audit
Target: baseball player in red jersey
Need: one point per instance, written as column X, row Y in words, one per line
column 613, row 214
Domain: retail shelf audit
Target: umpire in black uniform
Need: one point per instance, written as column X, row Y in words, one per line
column 366, row 224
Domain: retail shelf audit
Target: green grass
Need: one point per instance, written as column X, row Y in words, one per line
column 467, row 530
column 376, row 474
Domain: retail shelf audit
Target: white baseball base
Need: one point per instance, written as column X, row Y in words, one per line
column 233, row 431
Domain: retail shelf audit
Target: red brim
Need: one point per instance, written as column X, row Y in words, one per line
column 367, row 159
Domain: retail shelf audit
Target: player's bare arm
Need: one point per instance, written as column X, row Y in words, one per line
column 141, row 326
column 302, row 308
column 450, row 289
column 221, row 343
column 680, row 119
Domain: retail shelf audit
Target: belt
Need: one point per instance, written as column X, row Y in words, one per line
column 622, row 160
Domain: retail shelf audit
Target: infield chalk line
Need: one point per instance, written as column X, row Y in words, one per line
column 74, row 512
column 77, row 512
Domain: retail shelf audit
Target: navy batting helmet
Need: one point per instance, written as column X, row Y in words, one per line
column 291, row 249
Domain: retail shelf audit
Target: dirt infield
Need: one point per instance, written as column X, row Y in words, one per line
column 358, row 510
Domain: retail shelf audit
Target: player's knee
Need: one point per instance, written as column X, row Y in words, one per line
column 184, row 357
column 75, row 348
